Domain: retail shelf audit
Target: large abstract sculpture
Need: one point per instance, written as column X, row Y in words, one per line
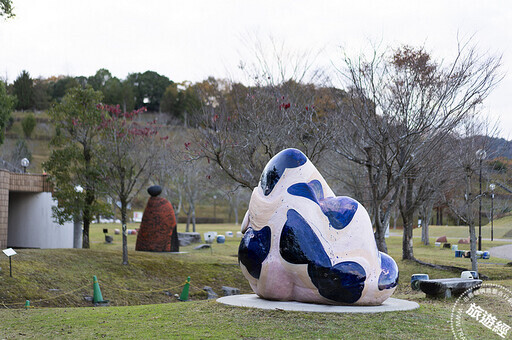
column 158, row 227
column 303, row 243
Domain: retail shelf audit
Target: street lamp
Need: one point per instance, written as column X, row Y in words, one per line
column 214, row 206
column 24, row 163
column 492, row 186
column 480, row 155
column 77, row 223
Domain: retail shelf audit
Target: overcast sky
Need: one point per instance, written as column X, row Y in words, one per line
column 192, row 39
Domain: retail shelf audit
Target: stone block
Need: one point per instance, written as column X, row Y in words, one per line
column 415, row 280
column 202, row 246
column 446, row 288
column 188, row 238
column 211, row 294
column 230, row 291
column 442, row 239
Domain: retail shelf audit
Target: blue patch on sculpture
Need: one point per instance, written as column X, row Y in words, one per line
column 299, row 244
column 388, row 277
column 289, row 158
column 343, row 282
column 317, row 188
column 303, row 190
column 254, row 249
column 339, row 210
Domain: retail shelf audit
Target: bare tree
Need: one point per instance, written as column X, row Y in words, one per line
column 129, row 157
column 403, row 105
column 195, row 184
column 244, row 126
column 467, row 158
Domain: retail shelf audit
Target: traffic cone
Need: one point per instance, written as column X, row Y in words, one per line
column 184, row 292
column 97, row 297
column 27, row 304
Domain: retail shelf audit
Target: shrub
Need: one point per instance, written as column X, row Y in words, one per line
column 28, row 124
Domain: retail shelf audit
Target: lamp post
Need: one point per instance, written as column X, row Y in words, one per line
column 214, row 206
column 480, row 155
column 24, row 163
column 492, row 186
column 77, row 221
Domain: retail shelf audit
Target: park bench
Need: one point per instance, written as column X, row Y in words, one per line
column 446, row 288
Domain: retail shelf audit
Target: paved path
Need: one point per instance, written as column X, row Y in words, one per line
column 483, row 238
column 503, row 252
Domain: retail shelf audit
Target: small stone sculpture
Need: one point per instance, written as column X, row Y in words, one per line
column 158, row 227
column 303, row 243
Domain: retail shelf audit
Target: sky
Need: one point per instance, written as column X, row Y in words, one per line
column 193, row 39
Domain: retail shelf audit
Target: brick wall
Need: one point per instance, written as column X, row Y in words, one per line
column 20, row 183
column 4, row 207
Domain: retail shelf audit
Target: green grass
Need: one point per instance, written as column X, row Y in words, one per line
column 199, row 320
column 155, row 314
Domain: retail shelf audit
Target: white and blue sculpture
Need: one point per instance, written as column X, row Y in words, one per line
column 303, row 243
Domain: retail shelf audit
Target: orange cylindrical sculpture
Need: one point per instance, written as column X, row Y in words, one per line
column 158, row 230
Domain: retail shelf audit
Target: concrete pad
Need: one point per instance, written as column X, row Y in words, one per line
column 253, row 301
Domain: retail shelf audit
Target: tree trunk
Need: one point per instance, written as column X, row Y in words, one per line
column 472, row 241
column 380, row 235
column 395, row 215
column 85, row 235
column 189, row 216
column 125, row 239
column 86, row 215
column 180, row 202
column 424, row 232
column 407, row 245
column 427, row 214
column 471, row 223
column 235, row 208
column 89, row 197
column 193, row 218
column 407, row 212
column 77, row 232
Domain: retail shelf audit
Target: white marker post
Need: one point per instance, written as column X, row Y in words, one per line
column 9, row 252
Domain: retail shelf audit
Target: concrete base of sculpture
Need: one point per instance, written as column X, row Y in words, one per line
column 253, row 301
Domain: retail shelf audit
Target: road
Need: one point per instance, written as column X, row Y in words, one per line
column 503, row 252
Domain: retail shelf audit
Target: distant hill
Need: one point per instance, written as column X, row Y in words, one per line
column 500, row 147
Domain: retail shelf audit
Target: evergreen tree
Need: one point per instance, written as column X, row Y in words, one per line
column 72, row 160
column 24, row 91
column 7, row 104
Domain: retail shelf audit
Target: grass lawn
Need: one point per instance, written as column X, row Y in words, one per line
column 143, row 305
